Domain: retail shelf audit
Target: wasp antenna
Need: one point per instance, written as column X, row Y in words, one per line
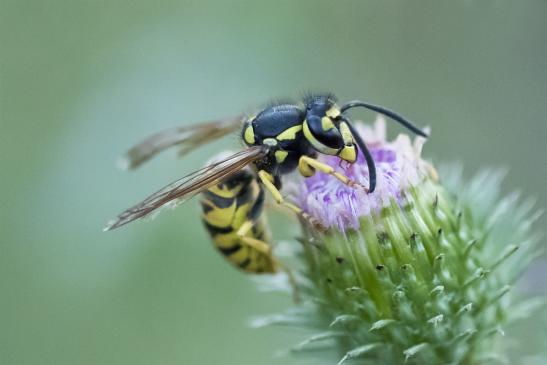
column 368, row 157
column 389, row 113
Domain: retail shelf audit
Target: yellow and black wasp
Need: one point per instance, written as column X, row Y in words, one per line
column 279, row 139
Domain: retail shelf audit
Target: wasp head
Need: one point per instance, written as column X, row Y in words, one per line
column 324, row 129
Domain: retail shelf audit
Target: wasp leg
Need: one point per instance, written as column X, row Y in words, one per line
column 266, row 249
column 267, row 181
column 254, row 243
column 307, row 165
column 252, row 217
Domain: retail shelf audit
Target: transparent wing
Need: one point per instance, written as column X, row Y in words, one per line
column 186, row 138
column 189, row 185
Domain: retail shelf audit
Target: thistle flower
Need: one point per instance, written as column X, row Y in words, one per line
column 418, row 272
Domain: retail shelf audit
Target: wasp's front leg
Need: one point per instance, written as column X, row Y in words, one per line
column 308, row 165
column 268, row 181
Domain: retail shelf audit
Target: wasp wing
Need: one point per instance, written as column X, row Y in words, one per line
column 189, row 185
column 186, row 138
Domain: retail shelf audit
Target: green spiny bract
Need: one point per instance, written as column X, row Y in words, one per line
column 421, row 282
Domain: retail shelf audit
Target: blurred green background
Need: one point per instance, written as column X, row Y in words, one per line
column 83, row 80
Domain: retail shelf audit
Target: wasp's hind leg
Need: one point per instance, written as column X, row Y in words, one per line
column 253, row 216
column 252, row 242
column 308, row 165
column 267, row 180
column 266, row 249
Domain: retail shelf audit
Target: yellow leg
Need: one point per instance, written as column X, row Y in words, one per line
column 267, row 181
column 245, row 227
column 254, row 243
column 266, row 249
column 307, row 164
column 257, row 245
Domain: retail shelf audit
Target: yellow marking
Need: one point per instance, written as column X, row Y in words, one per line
column 348, row 153
column 221, row 217
column 289, row 133
column 270, row 142
column 249, row 135
column 347, row 136
column 240, row 215
column 316, row 144
column 333, row 112
column 225, row 192
column 239, row 256
column 326, row 123
column 280, row 156
column 224, row 240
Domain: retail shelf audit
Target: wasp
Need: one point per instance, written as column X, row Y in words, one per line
column 280, row 139
column 232, row 213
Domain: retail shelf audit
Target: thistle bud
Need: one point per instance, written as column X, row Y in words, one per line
column 418, row 272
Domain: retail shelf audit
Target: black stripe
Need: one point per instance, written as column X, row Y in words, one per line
column 218, row 201
column 227, row 251
column 206, row 208
column 258, row 205
column 243, row 264
column 244, row 196
column 385, row 111
column 214, row 230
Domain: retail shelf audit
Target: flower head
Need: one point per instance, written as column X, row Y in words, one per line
column 398, row 165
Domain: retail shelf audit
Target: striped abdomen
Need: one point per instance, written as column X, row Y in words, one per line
column 226, row 208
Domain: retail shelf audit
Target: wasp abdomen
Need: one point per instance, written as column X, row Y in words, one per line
column 232, row 214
